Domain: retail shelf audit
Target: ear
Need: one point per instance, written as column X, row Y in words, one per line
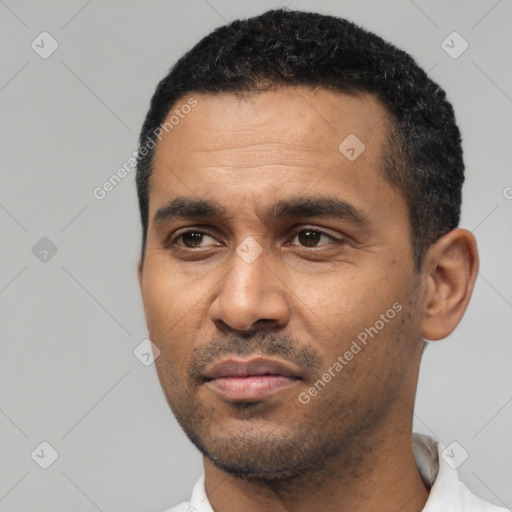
column 451, row 266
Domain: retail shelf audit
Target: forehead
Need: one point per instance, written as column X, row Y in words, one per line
column 232, row 146
column 302, row 121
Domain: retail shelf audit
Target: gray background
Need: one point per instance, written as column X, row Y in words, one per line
column 69, row 325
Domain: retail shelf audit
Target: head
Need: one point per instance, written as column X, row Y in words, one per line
column 271, row 128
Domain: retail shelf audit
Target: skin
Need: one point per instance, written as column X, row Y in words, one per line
column 304, row 300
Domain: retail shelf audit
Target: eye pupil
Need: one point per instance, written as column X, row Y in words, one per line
column 194, row 236
column 311, row 239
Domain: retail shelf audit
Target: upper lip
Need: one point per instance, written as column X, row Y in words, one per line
column 235, row 367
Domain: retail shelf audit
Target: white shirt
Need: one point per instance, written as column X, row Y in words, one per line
column 447, row 492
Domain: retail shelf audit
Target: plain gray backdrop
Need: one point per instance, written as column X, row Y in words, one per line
column 71, row 314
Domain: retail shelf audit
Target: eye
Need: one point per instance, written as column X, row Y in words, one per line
column 191, row 239
column 311, row 237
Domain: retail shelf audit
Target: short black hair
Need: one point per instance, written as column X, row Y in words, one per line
column 423, row 154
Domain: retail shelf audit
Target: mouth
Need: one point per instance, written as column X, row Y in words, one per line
column 251, row 380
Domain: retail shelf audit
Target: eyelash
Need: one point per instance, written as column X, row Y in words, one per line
column 172, row 242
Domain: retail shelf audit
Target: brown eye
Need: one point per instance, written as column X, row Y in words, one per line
column 311, row 237
column 190, row 239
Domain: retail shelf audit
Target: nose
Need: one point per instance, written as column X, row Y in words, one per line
column 250, row 294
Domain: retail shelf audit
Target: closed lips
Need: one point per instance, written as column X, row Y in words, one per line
column 252, row 367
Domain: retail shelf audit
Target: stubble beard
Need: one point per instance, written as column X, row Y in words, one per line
column 323, row 438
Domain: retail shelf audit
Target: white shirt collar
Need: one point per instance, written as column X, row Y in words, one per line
column 447, row 492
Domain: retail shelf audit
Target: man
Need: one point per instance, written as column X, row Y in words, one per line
column 299, row 183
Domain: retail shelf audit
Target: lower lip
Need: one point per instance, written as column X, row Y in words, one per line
column 254, row 387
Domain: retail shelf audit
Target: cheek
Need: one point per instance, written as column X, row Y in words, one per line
column 174, row 306
column 353, row 305
column 347, row 296
column 165, row 293
column 163, row 311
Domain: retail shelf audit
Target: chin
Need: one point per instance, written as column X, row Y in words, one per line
column 260, row 458
column 259, row 470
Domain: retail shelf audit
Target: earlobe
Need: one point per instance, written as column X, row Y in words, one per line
column 452, row 266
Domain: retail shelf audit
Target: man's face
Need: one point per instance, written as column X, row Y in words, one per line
column 278, row 275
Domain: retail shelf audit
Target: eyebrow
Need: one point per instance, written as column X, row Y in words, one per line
column 296, row 207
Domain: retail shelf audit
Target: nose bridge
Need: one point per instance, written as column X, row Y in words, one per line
column 250, row 267
column 250, row 291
